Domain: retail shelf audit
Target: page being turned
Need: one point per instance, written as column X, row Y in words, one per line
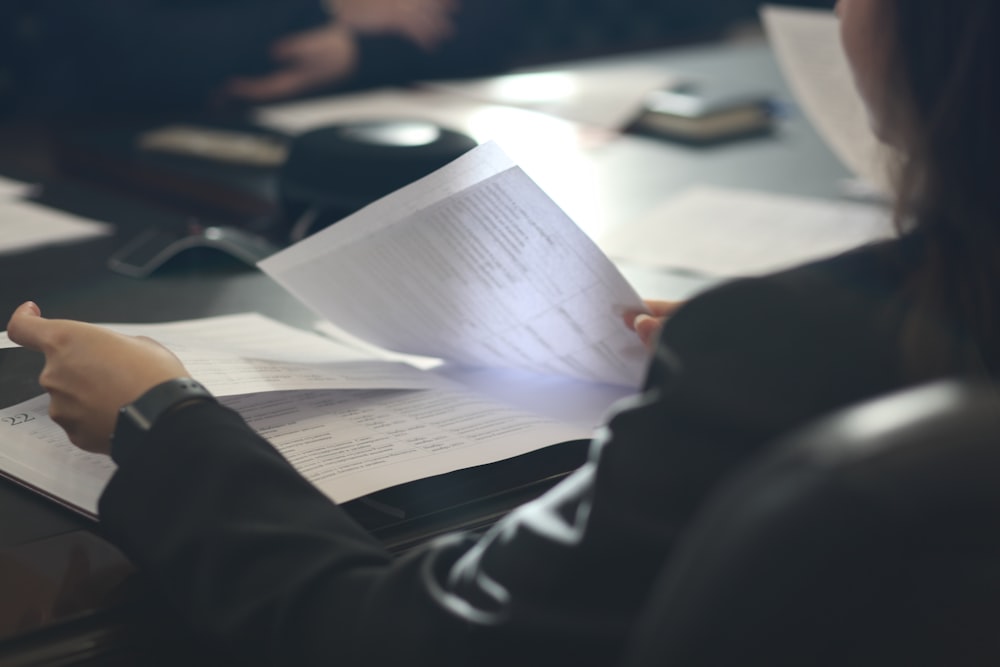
column 492, row 275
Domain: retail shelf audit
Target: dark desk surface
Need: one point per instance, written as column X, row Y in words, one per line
column 68, row 596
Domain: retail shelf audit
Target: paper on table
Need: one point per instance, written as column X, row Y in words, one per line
column 474, row 264
column 729, row 232
column 249, row 353
column 10, row 188
column 517, row 129
column 607, row 96
column 585, row 404
column 35, row 452
column 25, row 225
column 807, row 45
column 351, row 444
column 348, row 443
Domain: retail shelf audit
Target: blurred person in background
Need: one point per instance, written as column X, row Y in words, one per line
column 95, row 56
column 73, row 56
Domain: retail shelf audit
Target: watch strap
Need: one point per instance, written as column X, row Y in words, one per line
column 139, row 416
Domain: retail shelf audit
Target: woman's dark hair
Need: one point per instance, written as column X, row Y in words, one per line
column 945, row 61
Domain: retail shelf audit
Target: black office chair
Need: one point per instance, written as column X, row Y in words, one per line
column 870, row 539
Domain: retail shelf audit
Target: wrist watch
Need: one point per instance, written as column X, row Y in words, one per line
column 139, row 416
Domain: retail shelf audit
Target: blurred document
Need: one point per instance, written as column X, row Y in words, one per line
column 608, row 96
column 10, row 188
column 476, row 265
column 807, row 45
column 727, row 232
column 518, row 130
column 26, row 225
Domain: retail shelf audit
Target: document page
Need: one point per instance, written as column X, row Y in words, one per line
column 807, row 45
column 35, row 452
column 726, row 232
column 10, row 188
column 606, row 95
column 348, row 443
column 477, row 265
column 249, row 353
column 25, row 225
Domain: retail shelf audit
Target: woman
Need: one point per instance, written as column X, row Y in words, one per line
column 280, row 572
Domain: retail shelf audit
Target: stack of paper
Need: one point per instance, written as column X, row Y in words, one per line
column 473, row 265
column 26, row 225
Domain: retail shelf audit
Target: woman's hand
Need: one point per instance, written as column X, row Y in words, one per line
column 647, row 325
column 91, row 372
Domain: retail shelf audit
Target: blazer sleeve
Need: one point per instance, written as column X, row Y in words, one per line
column 254, row 556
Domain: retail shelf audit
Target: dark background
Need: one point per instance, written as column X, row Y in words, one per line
column 66, row 56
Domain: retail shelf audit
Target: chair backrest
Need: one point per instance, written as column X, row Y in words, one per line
column 872, row 538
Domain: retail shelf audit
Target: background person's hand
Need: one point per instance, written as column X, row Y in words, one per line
column 647, row 325
column 307, row 60
column 426, row 23
column 91, row 372
column 328, row 55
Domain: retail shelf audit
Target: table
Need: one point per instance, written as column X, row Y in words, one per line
column 107, row 617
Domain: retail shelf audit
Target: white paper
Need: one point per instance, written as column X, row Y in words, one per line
column 244, row 334
column 249, row 353
column 351, row 444
column 332, row 331
column 583, row 404
column 512, row 127
column 10, row 188
column 348, row 443
column 25, row 225
column 606, row 96
column 729, row 232
column 249, row 335
column 474, row 264
column 34, row 451
column 807, row 45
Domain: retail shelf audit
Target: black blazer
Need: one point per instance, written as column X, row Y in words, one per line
column 255, row 556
